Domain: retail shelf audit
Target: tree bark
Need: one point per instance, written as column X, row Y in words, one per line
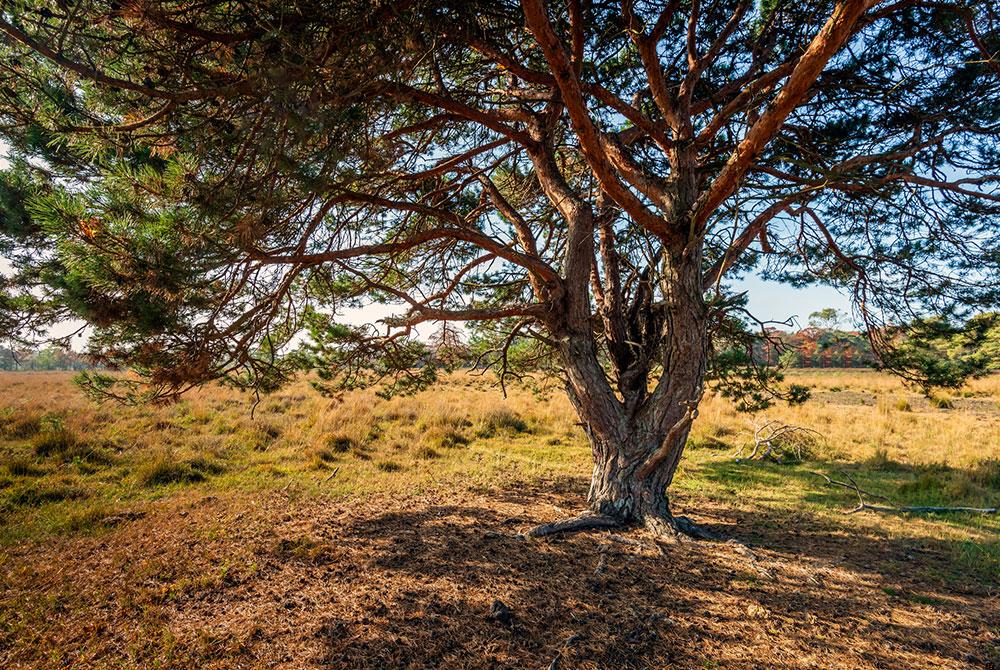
column 619, row 489
column 637, row 446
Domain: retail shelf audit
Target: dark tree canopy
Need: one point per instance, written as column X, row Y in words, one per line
column 202, row 182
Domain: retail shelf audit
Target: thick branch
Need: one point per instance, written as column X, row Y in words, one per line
column 834, row 34
column 587, row 132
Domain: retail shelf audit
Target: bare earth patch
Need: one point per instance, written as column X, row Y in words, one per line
column 411, row 582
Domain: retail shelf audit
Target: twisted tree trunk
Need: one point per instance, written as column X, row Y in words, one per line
column 638, row 437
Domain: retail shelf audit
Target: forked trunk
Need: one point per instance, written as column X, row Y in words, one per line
column 638, row 436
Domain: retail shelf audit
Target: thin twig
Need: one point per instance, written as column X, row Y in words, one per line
column 893, row 509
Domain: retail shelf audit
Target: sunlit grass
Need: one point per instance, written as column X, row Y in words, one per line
column 68, row 466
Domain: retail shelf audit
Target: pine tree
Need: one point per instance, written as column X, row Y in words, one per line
column 204, row 182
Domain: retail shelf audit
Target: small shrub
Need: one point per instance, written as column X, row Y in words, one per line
column 501, row 421
column 903, row 405
column 389, row 466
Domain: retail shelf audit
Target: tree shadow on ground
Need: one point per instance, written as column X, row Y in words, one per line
column 887, row 481
column 389, row 581
column 810, row 594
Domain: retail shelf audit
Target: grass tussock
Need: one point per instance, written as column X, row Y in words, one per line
column 53, row 437
column 165, row 468
column 22, row 466
column 16, row 424
column 448, row 438
column 340, row 444
column 389, row 466
column 427, row 453
column 987, row 473
column 34, row 494
column 941, row 401
column 304, row 548
column 501, row 421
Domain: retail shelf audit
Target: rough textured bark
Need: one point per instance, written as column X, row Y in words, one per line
column 637, row 445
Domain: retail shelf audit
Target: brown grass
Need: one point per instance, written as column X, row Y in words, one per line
column 377, row 534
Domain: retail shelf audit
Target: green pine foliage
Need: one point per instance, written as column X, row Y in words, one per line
column 187, row 178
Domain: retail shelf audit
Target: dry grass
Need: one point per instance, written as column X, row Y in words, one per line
column 368, row 533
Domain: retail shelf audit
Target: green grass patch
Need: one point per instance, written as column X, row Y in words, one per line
column 35, row 494
column 20, row 466
column 918, row 598
column 165, row 469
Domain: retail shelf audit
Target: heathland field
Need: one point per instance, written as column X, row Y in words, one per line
column 303, row 531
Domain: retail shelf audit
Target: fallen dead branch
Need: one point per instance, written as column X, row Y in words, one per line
column 777, row 441
column 895, row 509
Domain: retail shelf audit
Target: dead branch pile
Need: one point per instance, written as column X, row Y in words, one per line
column 777, row 441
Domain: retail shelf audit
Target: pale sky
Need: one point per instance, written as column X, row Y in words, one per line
column 776, row 301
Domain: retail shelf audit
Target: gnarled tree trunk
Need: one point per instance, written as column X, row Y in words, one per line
column 637, row 437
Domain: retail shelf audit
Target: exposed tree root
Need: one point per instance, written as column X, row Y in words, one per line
column 586, row 521
column 664, row 527
column 675, row 528
column 689, row 528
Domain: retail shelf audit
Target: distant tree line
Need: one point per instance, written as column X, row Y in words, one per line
column 942, row 351
column 825, row 343
column 47, row 358
column 816, row 348
column 937, row 348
